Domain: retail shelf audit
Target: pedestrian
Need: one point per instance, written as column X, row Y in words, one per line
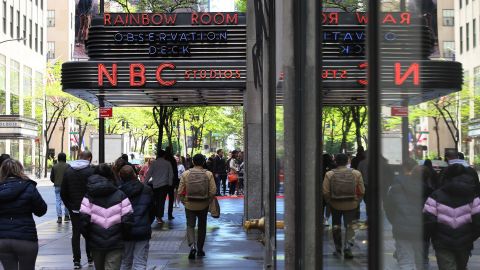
column 181, row 170
column 56, row 176
column 358, row 157
column 219, row 171
column 117, row 165
column 135, row 254
column 4, row 157
column 197, row 188
column 106, row 214
column 160, row 177
column 452, row 215
column 328, row 165
column 175, row 181
column 73, row 189
column 403, row 208
column 233, row 168
column 19, row 199
column 144, row 170
column 232, row 181
column 241, row 173
column 343, row 190
column 209, row 163
column 125, row 158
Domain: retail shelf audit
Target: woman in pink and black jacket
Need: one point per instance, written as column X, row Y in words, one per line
column 452, row 215
column 106, row 214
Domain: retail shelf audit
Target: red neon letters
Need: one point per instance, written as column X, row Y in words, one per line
column 102, row 70
column 413, row 69
column 137, row 75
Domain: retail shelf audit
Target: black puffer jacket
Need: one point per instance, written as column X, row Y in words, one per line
column 140, row 196
column 18, row 200
column 403, row 207
column 106, row 214
column 452, row 214
column 74, row 185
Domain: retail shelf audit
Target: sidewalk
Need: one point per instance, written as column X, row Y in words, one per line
column 227, row 244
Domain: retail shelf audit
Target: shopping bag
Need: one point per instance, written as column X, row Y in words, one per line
column 214, row 208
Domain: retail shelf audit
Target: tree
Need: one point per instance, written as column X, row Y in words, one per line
column 165, row 6
column 241, row 5
column 359, row 117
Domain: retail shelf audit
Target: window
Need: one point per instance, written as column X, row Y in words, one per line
column 27, row 92
column 24, row 30
column 476, row 80
column 467, row 37
column 448, row 17
column 18, row 24
column 51, row 50
column 474, row 31
column 466, row 2
column 14, row 87
column 36, row 37
column 11, row 21
column 449, row 49
column 39, row 91
column 4, row 14
column 461, row 40
column 30, row 34
column 51, row 18
column 41, row 40
column 3, row 84
column 460, row 3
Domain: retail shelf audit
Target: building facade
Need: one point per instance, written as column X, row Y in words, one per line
column 60, row 30
column 467, row 51
column 22, row 79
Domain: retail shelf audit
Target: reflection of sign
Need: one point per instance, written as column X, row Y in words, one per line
column 105, row 112
column 12, row 127
column 400, row 111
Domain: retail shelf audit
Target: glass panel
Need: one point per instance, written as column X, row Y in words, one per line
column 27, row 91
column 3, row 85
column 39, row 97
column 14, row 149
column 3, row 146
column 27, row 156
column 14, row 87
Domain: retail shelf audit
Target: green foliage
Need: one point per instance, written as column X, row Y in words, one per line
column 241, row 5
column 166, row 6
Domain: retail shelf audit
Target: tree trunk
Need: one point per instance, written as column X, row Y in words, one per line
column 437, row 133
column 64, row 120
column 185, row 135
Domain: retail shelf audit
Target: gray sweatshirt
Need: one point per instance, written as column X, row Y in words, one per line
column 161, row 173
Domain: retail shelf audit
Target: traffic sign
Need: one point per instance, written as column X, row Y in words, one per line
column 399, row 111
column 105, row 112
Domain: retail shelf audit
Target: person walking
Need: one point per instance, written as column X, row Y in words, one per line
column 72, row 191
column 160, row 177
column 135, row 253
column 144, row 169
column 233, row 170
column 19, row 199
column 181, row 170
column 106, row 214
column 197, row 188
column 175, row 181
column 327, row 165
column 56, row 176
column 343, row 189
column 220, row 172
column 452, row 215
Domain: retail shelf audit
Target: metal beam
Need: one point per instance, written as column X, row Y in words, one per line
column 101, row 136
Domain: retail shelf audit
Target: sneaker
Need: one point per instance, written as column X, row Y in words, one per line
column 191, row 255
column 347, row 254
column 159, row 220
column 77, row 265
column 59, row 220
column 201, row 253
column 67, row 218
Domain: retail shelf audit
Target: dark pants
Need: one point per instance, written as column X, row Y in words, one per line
column 159, row 196
column 218, row 180
column 348, row 216
column 18, row 254
column 107, row 259
column 452, row 259
column 192, row 216
column 223, row 179
column 231, row 187
column 171, row 200
column 75, row 220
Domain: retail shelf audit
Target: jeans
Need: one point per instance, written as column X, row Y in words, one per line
column 18, row 254
column 218, row 180
column 171, row 200
column 58, row 203
column 410, row 254
column 76, row 225
column 107, row 259
column 231, row 187
column 159, row 197
column 348, row 217
column 452, row 259
column 135, row 255
column 192, row 216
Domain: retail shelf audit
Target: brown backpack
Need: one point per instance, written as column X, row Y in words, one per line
column 343, row 185
column 197, row 185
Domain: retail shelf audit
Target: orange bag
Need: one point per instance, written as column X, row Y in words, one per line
column 232, row 177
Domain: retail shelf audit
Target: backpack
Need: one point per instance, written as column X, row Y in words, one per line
column 343, row 185
column 197, row 186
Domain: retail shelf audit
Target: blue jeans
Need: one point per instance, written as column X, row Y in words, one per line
column 58, row 202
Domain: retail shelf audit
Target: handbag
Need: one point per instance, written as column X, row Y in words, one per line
column 232, row 177
column 214, row 208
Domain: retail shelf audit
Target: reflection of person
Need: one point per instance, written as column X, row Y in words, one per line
column 83, row 12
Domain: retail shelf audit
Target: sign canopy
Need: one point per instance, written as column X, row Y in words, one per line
column 186, row 59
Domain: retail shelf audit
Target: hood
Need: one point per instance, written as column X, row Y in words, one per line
column 458, row 161
column 80, row 164
column 12, row 188
column 100, row 186
column 461, row 186
column 132, row 188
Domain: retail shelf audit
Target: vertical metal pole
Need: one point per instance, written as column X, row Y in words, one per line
column 102, row 6
column 101, row 135
column 373, row 192
column 303, row 148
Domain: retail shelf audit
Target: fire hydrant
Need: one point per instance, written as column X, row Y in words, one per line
column 259, row 224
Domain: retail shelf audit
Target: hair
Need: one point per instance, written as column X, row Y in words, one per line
column 85, row 155
column 428, row 163
column 451, row 154
column 341, row 159
column 12, row 168
column 105, row 171
column 124, row 157
column 161, row 153
column 62, row 157
column 127, row 173
column 199, row 160
column 219, row 151
column 360, row 149
column 169, row 150
column 234, row 152
column 461, row 156
column 118, row 165
column 4, row 157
